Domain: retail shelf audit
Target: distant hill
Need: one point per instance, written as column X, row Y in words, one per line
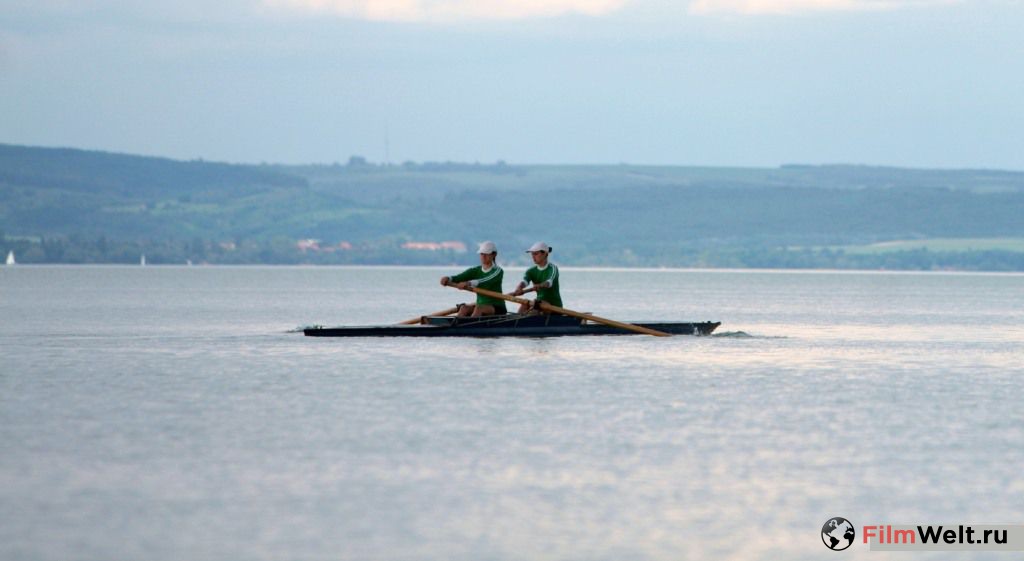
column 68, row 205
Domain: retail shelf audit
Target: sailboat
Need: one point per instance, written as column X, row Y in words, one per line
column 10, row 257
column 142, row 261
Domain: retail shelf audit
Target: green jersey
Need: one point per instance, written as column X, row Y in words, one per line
column 546, row 280
column 489, row 280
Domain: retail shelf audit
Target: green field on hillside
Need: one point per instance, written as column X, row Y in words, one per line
column 95, row 207
column 937, row 245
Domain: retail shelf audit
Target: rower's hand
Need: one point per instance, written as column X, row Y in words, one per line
column 445, row 281
column 462, row 285
column 518, row 292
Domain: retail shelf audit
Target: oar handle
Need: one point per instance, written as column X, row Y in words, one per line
column 559, row 310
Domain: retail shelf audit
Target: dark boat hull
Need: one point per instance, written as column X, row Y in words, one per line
column 511, row 325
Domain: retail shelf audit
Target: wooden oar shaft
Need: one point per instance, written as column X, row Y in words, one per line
column 559, row 310
column 415, row 320
column 606, row 321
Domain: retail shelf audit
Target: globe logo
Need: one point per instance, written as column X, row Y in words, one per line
column 837, row 533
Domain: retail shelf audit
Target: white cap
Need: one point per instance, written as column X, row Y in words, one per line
column 539, row 246
column 488, row 247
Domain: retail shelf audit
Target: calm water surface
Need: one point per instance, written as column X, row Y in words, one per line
column 167, row 414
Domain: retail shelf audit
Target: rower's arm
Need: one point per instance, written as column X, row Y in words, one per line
column 550, row 280
column 462, row 277
column 520, row 289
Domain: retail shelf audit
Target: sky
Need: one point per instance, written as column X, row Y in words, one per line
column 916, row 83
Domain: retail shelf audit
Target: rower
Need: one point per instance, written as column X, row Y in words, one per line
column 487, row 275
column 543, row 275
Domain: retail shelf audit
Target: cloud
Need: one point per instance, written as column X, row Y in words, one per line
column 757, row 7
column 442, row 11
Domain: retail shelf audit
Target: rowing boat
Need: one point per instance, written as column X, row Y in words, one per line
column 509, row 325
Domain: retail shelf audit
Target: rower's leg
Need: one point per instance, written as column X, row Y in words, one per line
column 483, row 310
column 466, row 310
column 530, row 308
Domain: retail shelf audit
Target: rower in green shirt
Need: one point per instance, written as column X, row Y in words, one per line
column 543, row 275
column 488, row 275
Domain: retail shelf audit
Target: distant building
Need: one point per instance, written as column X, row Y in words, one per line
column 457, row 247
column 311, row 244
column 308, row 245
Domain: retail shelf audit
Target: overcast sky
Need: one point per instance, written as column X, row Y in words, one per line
column 707, row 82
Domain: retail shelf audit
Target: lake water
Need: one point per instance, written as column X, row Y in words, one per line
column 166, row 413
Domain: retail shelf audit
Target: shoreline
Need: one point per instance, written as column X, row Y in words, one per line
column 774, row 271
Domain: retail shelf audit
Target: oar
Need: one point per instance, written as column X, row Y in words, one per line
column 416, row 320
column 565, row 312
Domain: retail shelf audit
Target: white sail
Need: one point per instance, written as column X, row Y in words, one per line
column 10, row 258
column 142, row 261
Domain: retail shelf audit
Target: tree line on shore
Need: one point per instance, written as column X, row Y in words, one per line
column 78, row 249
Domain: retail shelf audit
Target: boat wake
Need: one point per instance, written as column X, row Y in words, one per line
column 745, row 335
column 302, row 328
